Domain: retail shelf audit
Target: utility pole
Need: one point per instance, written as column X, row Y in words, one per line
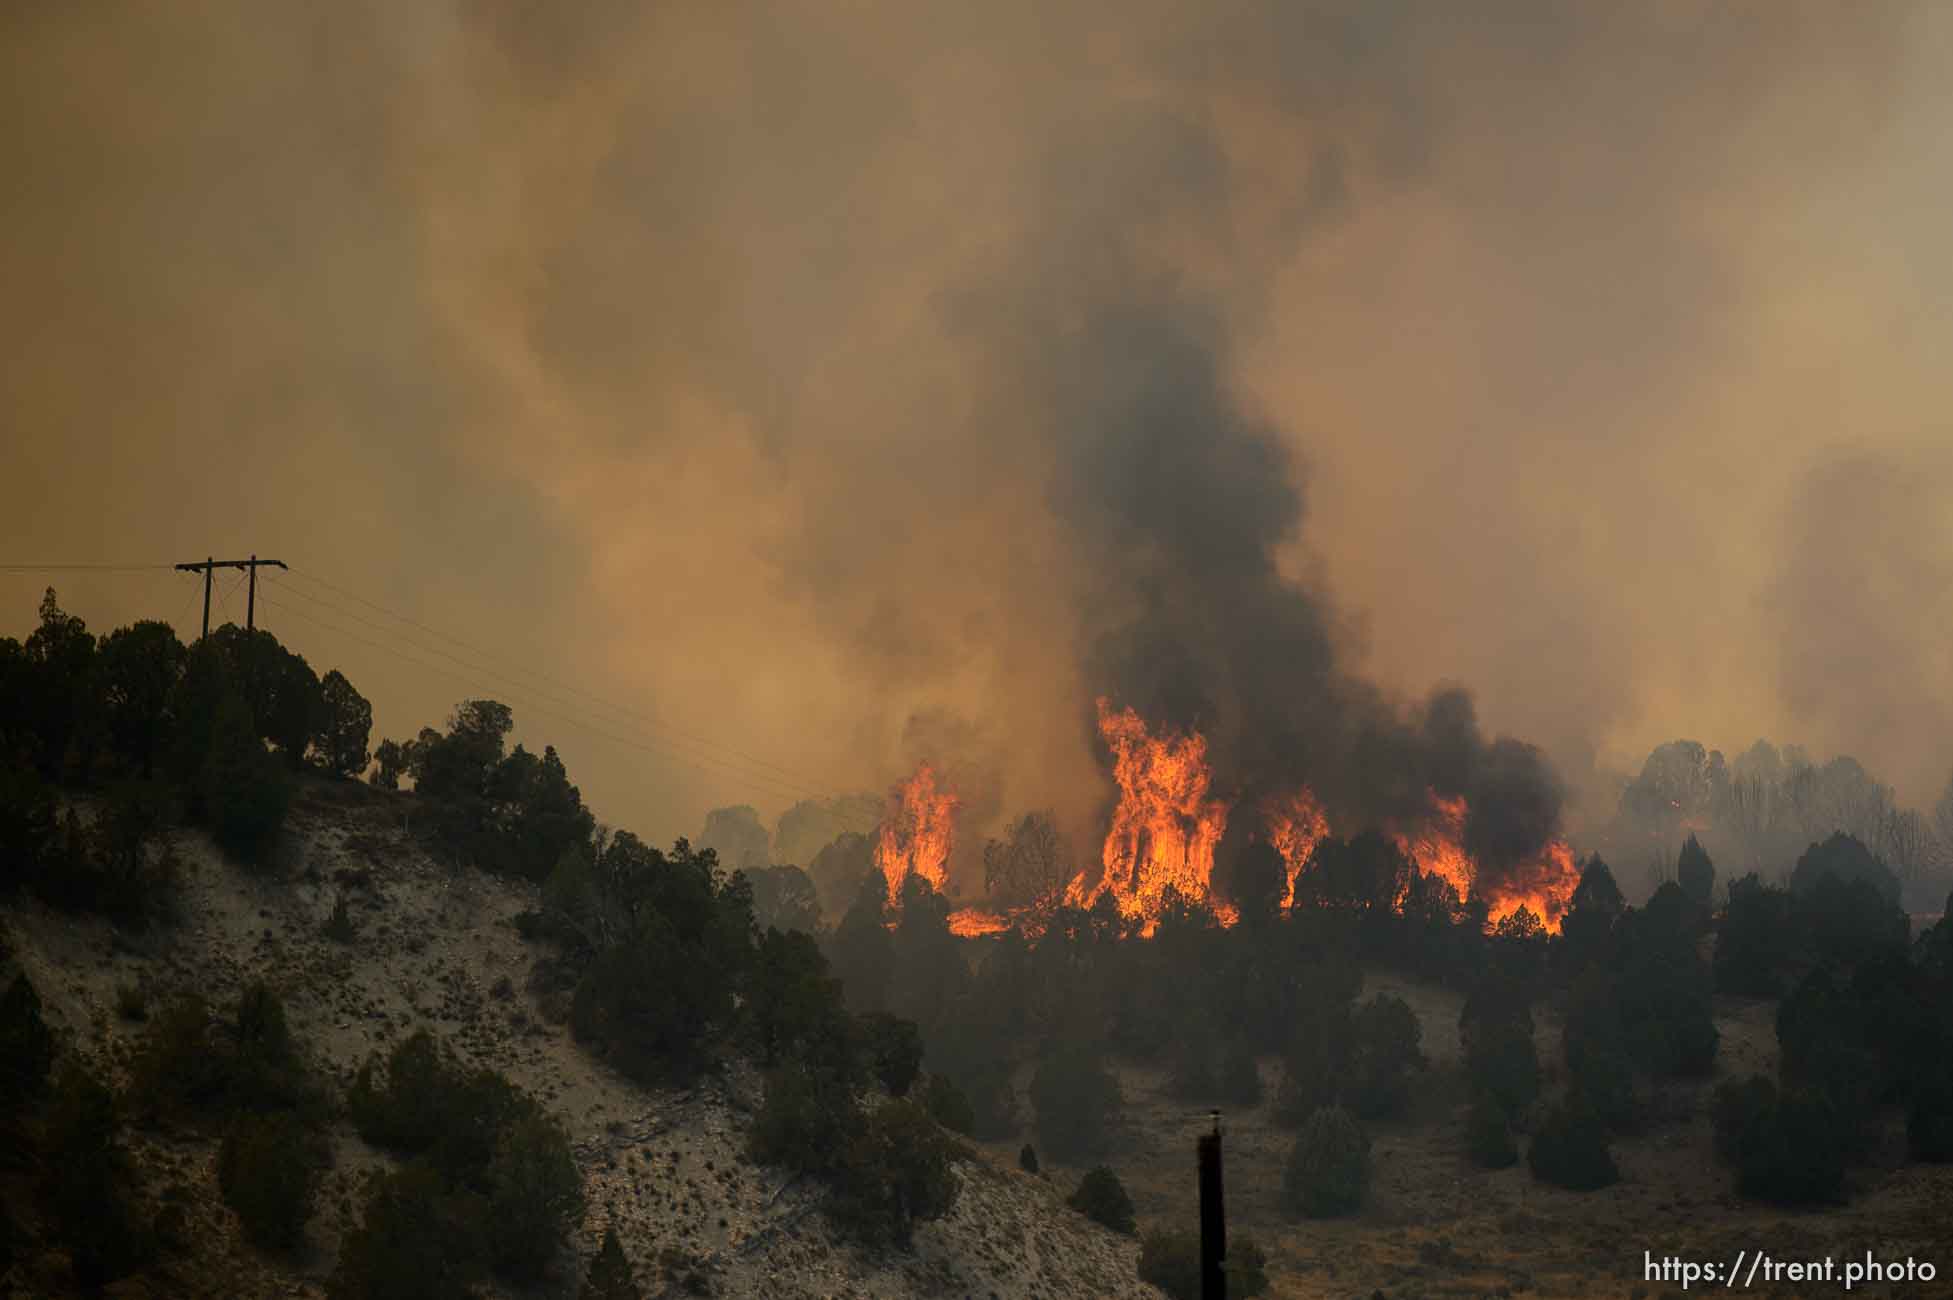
column 208, row 565
column 1213, row 1216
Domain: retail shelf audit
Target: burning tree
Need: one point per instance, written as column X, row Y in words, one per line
column 917, row 833
column 1165, row 827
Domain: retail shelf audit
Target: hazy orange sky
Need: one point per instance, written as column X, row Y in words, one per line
column 717, row 360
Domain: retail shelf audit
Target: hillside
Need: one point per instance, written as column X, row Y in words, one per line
column 436, row 948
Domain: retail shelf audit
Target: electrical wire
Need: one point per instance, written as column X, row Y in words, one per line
column 718, row 749
column 649, row 745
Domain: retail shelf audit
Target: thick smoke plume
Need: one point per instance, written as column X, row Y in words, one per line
column 839, row 382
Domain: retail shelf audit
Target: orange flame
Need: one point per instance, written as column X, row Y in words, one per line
column 975, row 922
column 1165, row 828
column 1438, row 848
column 1544, row 884
column 917, row 833
column 1296, row 824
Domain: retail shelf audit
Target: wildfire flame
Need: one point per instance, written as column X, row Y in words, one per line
column 1296, row 824
column 1165, row 828
column 1438, row 847
column 975, row 922
column 917, row 833
column 1544, row 884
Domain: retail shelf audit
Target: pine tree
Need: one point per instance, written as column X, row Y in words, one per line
column 610, row 1273
column 1695, row 873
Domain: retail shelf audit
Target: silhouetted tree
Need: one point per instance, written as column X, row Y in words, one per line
column 861, row 950
column 1364, row 876
column 1102, row 1198
column 26, row 1045
column 1384, row 1057
column 807, row 1118
column 59, row 660
column 29, row 826
column 1495, row 1029
column 929, row 976
column 1596, row 1046
column 1788, row 1148
column 1754, row 945
column 531, row 816
column 344, row 722
column 839, row 869
column 418, row 1239
column 1848, row 860
column 1569, row 1150
column 390, row 764
column 894, row 1050
column 653, row 999
column 1076, row 1099
column 243, row 794
column 812, row 824
column 136, row 672
column 91, row 1182
column 1315, row 1068
column 1488, row 1134
column 1328, row 1170
column 278, row 686
column 1695, row 873
column 457, row 766
column 1031, row 864
column 785, row 897
column 610, row 1276
column 1586, row 931
column 1660, row 988
column 535, row 1194
column 738, row 836
column 897, row 1173
column 1252, row 874
column 268, row 1169
column 948, row 1106
column 1846, row 922
column 1929, row 1117
column 794, row 1005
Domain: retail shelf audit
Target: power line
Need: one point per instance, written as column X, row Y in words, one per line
column 92, row 568
column 709, row 753
column 749, row 780
column 651, row 721
column 646, row 745
column 711, row 757
column 209, row 566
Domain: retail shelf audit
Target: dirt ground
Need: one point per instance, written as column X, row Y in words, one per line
column 1436, row 1226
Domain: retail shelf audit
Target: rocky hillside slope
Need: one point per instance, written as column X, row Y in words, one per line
column 436, row 947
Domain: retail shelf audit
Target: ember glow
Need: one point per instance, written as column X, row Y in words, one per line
column 976, row 922
column 1165, row 828
column 917, row 833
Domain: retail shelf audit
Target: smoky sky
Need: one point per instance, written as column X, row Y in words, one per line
column 838, row 382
